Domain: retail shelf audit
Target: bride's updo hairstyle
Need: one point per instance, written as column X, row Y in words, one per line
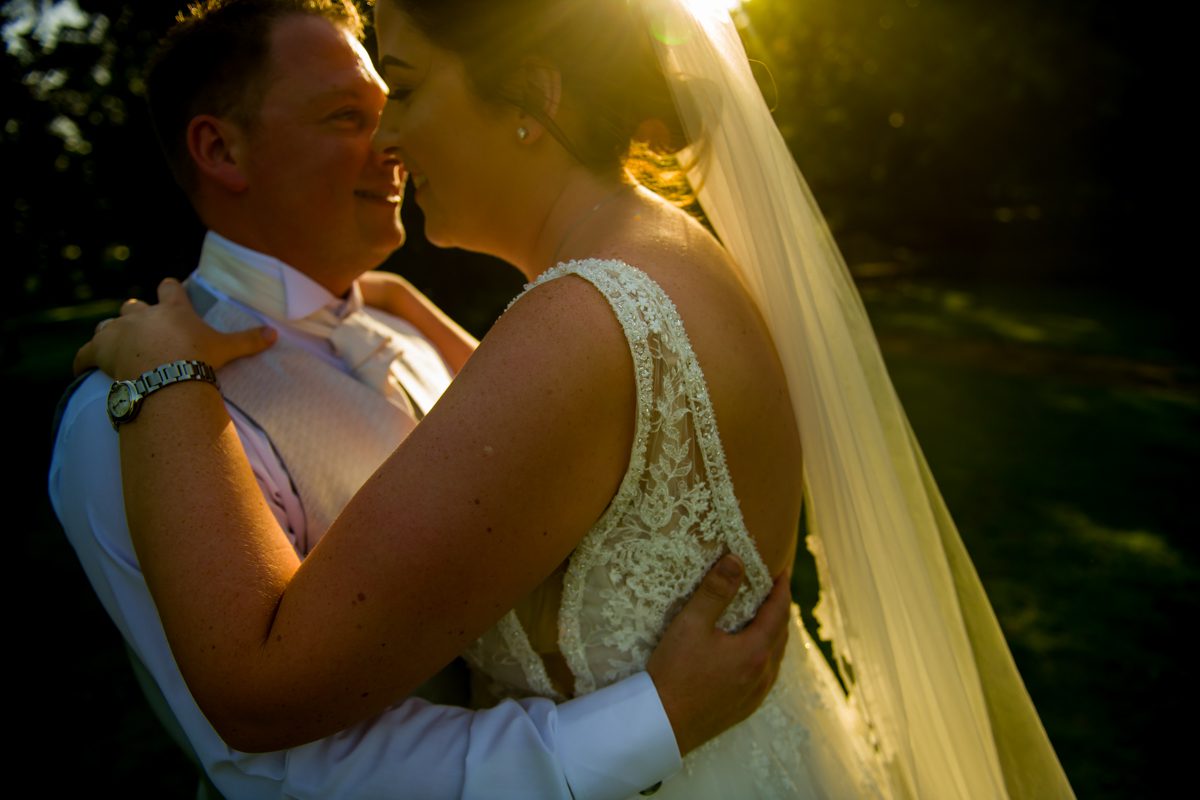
column 616, row 109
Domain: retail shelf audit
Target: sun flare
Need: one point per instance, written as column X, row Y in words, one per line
column 715, row 6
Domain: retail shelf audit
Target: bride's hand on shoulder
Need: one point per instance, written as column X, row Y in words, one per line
column 145, row 336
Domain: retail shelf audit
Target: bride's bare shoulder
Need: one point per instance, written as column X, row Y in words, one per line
column 677, row 251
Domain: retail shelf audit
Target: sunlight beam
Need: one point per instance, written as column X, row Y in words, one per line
column 715, row 6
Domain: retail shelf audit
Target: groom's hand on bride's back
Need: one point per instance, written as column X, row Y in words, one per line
column 710, row 680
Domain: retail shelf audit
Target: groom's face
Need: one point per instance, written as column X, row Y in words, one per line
column 321, row 194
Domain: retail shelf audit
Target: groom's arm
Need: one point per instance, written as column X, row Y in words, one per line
column 608, row 745
column 612, row 743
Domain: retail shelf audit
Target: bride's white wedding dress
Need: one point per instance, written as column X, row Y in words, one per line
column 913, row 633
column 673, row 515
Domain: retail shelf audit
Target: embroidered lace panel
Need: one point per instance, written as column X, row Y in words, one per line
column 674, row 514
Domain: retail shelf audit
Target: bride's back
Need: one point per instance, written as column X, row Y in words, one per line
column 711, row 462
column 741, row 368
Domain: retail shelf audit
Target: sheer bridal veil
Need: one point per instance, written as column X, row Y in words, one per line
column 913, row 634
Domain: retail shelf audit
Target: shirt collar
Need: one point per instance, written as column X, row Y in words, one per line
column 301, row 295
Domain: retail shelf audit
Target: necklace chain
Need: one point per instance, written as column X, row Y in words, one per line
column 584, row 217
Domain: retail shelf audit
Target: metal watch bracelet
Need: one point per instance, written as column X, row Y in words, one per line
column 125, row 397
column 152, row 380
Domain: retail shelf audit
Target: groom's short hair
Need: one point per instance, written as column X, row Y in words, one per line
column 214, row 60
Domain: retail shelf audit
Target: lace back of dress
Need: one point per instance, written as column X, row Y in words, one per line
column 674, row 514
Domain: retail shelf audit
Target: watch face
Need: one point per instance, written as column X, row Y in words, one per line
column 121, row 400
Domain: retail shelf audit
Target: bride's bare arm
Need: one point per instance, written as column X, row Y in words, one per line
column 482, row 501
column 485, row 498
column 397, row 296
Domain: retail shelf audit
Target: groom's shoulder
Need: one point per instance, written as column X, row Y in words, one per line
column 85, row 457
column 82, row 402
column 81, row 437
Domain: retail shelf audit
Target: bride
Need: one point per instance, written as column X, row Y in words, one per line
column 637, row 411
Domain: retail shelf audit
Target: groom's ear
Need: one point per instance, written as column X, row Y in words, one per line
column 215, row 146
column 541, row 91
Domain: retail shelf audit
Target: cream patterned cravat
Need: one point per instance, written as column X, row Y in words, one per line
column 366, row 340
column 376, row 356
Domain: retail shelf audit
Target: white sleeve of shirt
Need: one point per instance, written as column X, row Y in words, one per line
column 609, row 744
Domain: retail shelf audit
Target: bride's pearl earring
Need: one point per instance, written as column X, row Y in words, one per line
column 522, row 133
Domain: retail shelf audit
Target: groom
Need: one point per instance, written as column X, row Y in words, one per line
column 266, row 109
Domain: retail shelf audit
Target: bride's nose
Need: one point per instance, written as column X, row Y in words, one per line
column 387, row 138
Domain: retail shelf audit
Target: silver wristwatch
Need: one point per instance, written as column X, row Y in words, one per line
column 125, row 397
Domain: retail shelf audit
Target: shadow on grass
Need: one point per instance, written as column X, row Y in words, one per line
column 1062, row 430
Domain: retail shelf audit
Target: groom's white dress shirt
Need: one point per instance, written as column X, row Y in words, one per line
column 611, row 743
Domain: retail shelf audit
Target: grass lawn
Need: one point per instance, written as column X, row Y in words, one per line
column 1061, row 425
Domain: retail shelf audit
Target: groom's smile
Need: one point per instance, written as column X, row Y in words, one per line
column 324, row 198
column 385, row 195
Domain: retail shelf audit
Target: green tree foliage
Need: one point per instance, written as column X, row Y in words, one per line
column 947, row 126
column 93, row 212
column 964, row 132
